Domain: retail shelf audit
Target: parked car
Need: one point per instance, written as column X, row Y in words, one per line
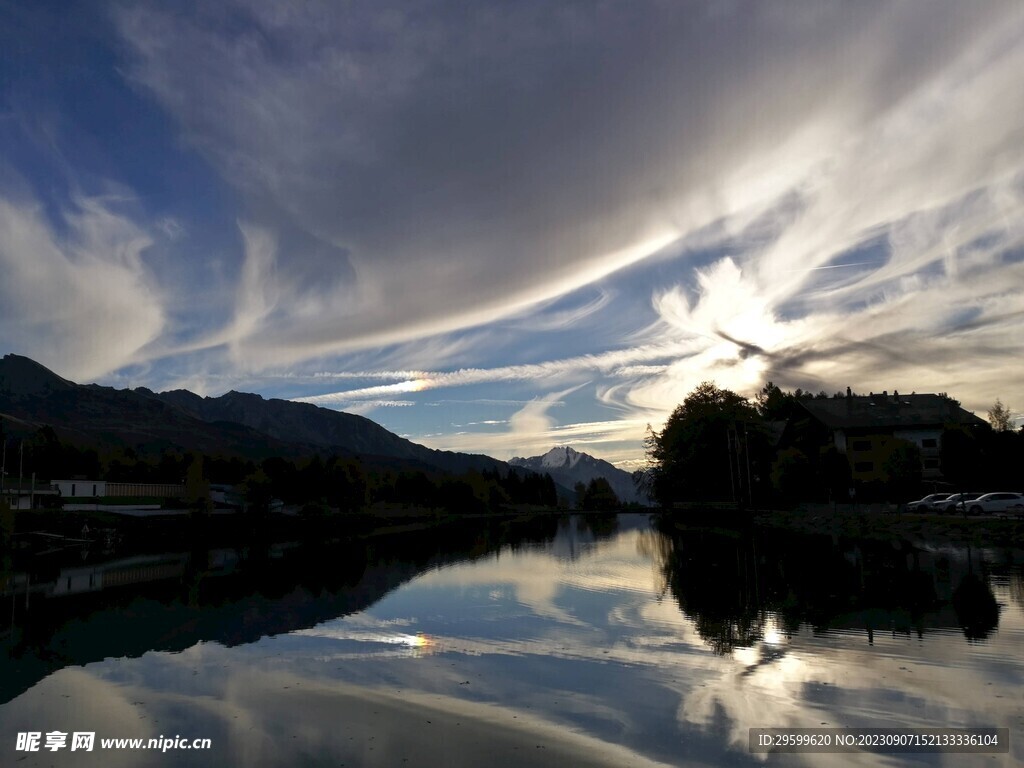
column 928, row 503
column 956, row 502
column 1002, row 502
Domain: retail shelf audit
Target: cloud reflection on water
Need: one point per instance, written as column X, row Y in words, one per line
column 593, row 643
column 579, row 602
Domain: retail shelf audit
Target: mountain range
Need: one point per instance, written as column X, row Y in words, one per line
column 568, row 467
column 236, row 423
column 247, row 425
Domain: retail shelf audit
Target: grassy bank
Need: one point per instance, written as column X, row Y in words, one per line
column 879, row 522
column 871, row 523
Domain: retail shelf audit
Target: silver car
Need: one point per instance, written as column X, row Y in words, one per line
column 928, row 503
column 957, row 502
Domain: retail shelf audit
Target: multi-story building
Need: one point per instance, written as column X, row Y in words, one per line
column 864, row 428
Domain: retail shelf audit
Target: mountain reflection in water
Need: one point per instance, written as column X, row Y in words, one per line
column 600, row 640
column 72, row 613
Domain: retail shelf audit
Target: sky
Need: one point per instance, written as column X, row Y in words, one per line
column 499, row 227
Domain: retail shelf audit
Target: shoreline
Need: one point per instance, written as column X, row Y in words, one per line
column 810, row 519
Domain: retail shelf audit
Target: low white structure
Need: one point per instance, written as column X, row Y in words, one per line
column 80, row 488
column 87, row 489
column 25, row 496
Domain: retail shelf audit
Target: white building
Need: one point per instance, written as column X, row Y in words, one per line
column 80, row 488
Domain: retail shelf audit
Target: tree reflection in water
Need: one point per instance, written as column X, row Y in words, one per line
column 728, row 583
column 232, row 595
column 976, row 607
column 1017, row 588
column 603, row 525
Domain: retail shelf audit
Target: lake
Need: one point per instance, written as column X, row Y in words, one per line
column 576, row 640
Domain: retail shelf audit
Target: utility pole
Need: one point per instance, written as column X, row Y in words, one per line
column 732, row 471
column 746, row 453
column 21, row 468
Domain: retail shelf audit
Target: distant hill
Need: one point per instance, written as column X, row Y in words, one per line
column 568, row 467
column 32, row 396
column 234, row 424
column 308, row 424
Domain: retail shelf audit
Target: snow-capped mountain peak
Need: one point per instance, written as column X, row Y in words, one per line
column 562, row 457
column 568, row 466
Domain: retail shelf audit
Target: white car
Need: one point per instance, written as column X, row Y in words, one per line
column 997, row 503
column 956, row 503
column 928, row 503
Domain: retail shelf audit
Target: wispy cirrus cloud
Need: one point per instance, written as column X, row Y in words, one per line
column 538, row 319
column 367, row 406
column 77, row 297
column 549, row 371
column 614, row 440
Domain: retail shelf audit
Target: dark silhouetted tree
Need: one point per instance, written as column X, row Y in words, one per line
column 773, row 404
column 580, row 489
column 457, row 495
column 835, row 474
column 642, row 482
column 693, row 458
column 961, row 458
column 597, row 495
column 197, row 487
column 999, row 417
column 6, row 526
column 256, row 491
column 792, row 475
column 347, row 487
column 901, row 466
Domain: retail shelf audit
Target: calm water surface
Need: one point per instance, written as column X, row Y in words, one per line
column 562, row 641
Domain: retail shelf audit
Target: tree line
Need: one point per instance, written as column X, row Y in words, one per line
column 317, row 484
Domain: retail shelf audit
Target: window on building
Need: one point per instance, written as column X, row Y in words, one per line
column 864, row 466
column 929, row 442
column 72, row 489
